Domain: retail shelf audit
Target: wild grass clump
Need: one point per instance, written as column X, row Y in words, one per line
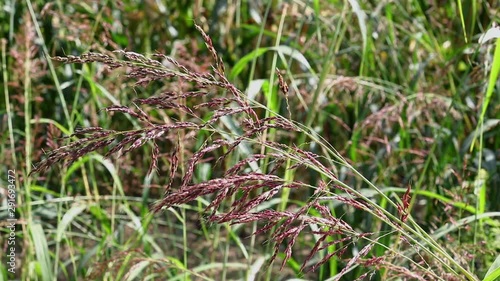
column 237, row 128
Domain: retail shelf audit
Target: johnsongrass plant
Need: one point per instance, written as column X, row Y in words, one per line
column 240, row 192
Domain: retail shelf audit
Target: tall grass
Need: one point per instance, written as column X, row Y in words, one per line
column 341, row 149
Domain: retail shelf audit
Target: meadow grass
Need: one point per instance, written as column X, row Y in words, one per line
column 254, row 140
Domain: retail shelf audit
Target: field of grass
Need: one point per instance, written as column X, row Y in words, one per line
column 249, row 140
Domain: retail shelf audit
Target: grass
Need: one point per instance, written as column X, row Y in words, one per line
column 262, row 141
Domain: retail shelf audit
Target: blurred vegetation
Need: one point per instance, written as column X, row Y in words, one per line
column 397, row 87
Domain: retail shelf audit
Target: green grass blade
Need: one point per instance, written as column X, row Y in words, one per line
column 68, row 217
column 462, row 20
column 494, row 271
column 42, row 252
column 495, row 70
